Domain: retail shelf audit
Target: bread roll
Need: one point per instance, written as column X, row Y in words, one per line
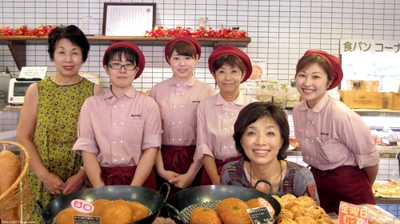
column 10, row 169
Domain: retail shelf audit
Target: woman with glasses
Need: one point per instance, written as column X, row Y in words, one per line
column 120, row 130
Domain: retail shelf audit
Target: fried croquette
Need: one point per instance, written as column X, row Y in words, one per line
column 203, row 215
column 66, row 216
column 232, row 211
column 99, row 205
column 253, row 203
column 139, row 211
column 117, row 212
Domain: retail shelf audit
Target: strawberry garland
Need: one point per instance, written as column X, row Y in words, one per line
column 160, row 31
column 40, row 31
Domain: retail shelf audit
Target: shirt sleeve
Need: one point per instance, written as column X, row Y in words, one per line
column 202, row 148
column 356, row 135
column 152, row 127
column 304, row 184
column 86, row 137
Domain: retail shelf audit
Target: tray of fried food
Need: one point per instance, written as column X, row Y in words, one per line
column 303, row 209
column 386, row 189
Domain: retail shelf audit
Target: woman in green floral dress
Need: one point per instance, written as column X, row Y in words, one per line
column 48, row 122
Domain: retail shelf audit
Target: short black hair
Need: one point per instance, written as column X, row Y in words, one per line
column 254, row 111
column 73, row 34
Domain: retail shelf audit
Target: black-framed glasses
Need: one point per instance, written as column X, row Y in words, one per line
column 117, row 66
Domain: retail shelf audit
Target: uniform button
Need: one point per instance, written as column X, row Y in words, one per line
column 306, row 139
column 231, row 129
column 122, row 123
column 174, row 106
column 308, row 122
column 224, row 146
column 226, row 112
column 180, row 139
column 183, row 93
column 173, row 139
column 306, row 157
column 173, row 122
column 122, row 141
column 114, row 124
column 115, row 106
column 231, row 147
column 179, row 122
column 114, row 142
column 313, row 122
column 225, row 129
column 177, row 84
column 115, row 160
column 177, row 93
column 232, row 114
column 181, row 106
column 123, row 159
column 122, row 105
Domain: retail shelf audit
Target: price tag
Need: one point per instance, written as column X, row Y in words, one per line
column 349, row 213
column 266, row 204
column 260, row 215
column 82, row 206
column 86, row 220
column 33, row 72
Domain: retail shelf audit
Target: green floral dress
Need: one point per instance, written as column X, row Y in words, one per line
column 56, row 132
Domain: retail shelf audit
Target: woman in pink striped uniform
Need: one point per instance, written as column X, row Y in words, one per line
column 216, row 115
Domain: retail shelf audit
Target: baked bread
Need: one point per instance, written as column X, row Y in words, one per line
column 139, row 211
column 117, row 212
column 203, row 215
column 10, row 169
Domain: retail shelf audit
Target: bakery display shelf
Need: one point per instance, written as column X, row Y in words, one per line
column 384, row 151
column 17, row 44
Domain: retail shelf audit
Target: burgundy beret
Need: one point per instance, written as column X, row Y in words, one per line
column 194, row 42
column 334, row 63
column 224, row 50
column 141, row 59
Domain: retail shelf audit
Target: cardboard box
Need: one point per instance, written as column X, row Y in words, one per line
column 362, row 99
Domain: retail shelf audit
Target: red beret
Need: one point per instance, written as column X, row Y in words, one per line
column 224, row 50
column 141, row 59
column 194, row 42
column 334, row 63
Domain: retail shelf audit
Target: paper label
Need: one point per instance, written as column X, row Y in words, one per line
column 82, row 206
column 33, row 72
column 349, row 213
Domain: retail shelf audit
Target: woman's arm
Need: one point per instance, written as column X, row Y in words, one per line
column 211, row 168
column 372, row 173
column 25, row 132
column 144, row 166
column 92, row 167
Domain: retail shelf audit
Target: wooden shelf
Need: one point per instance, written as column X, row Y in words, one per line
column 17, row 44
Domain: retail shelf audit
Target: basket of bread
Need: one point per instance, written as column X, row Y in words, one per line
column 14, row 188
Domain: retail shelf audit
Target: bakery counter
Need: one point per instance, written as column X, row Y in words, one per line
column 387, row 200
column 384, row 151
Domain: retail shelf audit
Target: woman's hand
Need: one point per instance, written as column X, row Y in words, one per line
column 182, row 181
column 53, row 183
column 74, row 183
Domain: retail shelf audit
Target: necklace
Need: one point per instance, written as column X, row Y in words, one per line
column 280, row 177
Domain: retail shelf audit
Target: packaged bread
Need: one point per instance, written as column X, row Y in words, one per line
column 10, row 169
column 377, row 215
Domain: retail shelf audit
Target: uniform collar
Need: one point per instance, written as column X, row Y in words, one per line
column 130, row 93
column 173, row 81
column 238, row 101
column 320, row 105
